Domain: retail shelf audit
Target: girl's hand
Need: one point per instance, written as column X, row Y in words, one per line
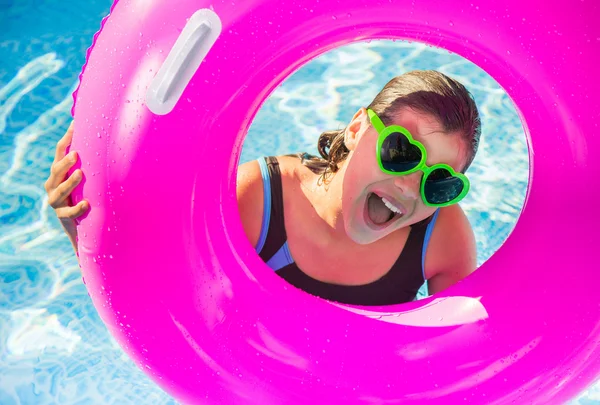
column 59, row 187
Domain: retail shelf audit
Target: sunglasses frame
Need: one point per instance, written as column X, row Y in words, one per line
column 384, row 132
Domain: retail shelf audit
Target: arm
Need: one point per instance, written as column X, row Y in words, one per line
column 250, row 199
column 452, row 253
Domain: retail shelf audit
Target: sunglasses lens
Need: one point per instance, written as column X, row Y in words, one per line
column 441, row 187
column 398, row 154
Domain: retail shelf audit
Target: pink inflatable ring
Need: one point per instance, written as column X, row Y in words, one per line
column 168, row 93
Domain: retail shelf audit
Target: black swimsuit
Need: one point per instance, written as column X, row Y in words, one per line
column 400, row 284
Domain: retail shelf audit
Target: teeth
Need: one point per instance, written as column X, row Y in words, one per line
column 390, row 206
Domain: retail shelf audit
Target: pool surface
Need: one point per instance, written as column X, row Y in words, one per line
column 54, row 349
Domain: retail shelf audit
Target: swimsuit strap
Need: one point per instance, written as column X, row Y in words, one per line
column 274, row 234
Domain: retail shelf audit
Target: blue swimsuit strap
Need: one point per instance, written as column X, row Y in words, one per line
column 282, row 257
column 428, row 232
column 264, row 171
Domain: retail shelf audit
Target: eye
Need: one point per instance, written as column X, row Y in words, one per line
column 439, row 174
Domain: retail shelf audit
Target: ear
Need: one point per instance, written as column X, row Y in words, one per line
column 356, row 128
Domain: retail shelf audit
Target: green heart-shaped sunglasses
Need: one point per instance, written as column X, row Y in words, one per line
column 399, row 154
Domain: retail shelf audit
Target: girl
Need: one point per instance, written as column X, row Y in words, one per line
column 375, row 216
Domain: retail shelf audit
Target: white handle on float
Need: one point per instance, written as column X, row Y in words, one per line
column 196, row 39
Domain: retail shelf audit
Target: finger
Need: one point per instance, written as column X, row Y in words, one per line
column 73, row 212
column 63, row 144
column 58, row 171
column 58, row 197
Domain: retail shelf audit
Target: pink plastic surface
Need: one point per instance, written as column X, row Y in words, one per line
column 175, row 280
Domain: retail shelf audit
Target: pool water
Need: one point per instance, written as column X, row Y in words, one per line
column 54, row 347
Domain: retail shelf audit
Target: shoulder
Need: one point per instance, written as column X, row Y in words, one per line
column 249, row 182
column 249, row 187
column 451, row 254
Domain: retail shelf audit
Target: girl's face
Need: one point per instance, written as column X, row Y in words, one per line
column 375, row 204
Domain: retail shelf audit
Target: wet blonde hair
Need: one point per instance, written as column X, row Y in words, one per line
column 426, row 91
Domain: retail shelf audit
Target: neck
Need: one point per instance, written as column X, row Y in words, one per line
column 327, row 201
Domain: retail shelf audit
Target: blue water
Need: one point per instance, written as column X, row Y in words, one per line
column 53, row 347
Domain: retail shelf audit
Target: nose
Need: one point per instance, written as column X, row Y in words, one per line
column 409, row 184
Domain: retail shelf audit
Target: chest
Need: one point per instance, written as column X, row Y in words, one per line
column 337, row 260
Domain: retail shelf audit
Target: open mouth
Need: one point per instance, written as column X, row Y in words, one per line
column 380, row 212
